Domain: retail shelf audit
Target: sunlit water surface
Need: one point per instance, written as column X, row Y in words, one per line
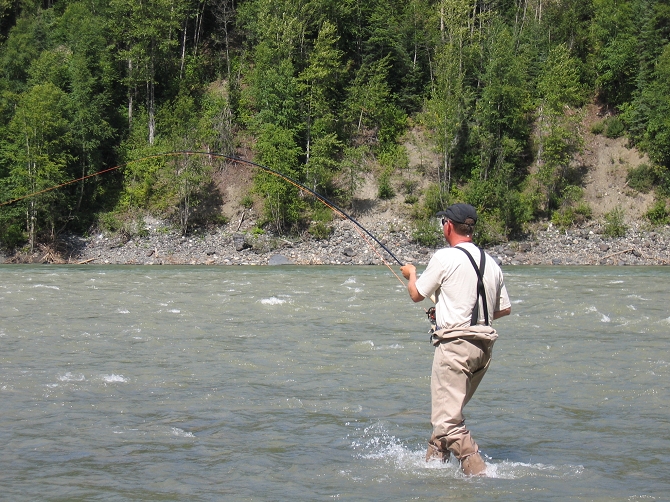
column 297, row 383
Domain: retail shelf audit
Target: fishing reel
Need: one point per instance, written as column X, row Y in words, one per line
column 431, row 315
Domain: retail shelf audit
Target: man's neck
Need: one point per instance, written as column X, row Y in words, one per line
column 458, row 239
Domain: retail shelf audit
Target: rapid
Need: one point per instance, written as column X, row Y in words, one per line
column 312, row 383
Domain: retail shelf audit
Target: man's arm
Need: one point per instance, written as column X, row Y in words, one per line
column 502, row 313
column 409, row 273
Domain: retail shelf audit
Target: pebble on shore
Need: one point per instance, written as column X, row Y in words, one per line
column 223, row 246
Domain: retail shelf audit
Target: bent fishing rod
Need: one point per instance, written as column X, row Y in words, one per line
column 232, row 158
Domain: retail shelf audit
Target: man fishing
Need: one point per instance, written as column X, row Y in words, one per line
column 469, row 293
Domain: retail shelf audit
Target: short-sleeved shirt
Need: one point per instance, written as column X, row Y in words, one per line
column 452, row 278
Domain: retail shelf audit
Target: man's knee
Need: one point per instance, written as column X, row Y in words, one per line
column 461, row 444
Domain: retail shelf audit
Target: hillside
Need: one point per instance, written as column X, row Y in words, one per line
column 604, row 163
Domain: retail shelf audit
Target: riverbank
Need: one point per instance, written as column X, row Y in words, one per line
column 348, row 245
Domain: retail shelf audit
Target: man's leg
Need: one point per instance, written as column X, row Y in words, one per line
column 458, row 368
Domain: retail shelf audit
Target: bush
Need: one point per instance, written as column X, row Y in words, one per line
column 490, row 229
column 409, row 186
column 641, row 178
column 614, row 127
column 658, row 214
column 614, row 223
column 12, row 236
column 427, row 233
column 571, row 215
column 319, row 230
column 598, row 127
column 573, row 210
column 247, row 201
column 385, row 190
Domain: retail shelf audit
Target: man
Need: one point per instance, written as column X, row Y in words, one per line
column 462, row 335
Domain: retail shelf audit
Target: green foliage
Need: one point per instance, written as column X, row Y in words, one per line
column 598, row 127
column 385, row 189
column 353, row 168
column 320, row 230
column 277, row 150
column 614, row 223
column 659, row 213
column 247, row 201
column 568, row 216
column 317, row 90
column 642, row 178
column 614, row 127
column 427, row 232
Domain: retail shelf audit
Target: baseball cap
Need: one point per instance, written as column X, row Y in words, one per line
column 460, row 213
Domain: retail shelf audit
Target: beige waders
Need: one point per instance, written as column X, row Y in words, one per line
column 461, row 359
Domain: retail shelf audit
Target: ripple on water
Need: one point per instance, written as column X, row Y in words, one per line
column 376, row 443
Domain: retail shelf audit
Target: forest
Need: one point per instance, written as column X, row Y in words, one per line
column 323, row 91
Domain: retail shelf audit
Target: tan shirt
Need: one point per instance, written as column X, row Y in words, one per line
column 451, row 277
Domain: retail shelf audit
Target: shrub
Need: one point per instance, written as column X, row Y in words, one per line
column 573, row 210
column 614, row 223
column 385, row 190
column 427, row 233
column 319, row 230
column 641, row 178
column 247, row 201
column 614, row 127
column 409, row 186
column 598, row 127
column 571, row 215
column 658, row 214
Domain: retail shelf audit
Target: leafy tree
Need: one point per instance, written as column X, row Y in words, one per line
column 277, row 149
column 39, row 138
column 318, row 83
column 558, row 126
column 147, row 32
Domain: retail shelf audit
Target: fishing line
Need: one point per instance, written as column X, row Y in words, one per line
column 359, row 228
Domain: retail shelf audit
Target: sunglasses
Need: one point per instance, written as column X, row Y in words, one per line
column 444, row 221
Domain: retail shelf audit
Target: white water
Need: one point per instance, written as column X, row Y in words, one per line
column 192, row 383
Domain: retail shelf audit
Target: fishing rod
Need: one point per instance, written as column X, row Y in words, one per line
column 232, row 158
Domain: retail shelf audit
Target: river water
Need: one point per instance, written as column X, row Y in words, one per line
column 312, row 383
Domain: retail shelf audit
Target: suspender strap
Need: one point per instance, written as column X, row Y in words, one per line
column 481, row 291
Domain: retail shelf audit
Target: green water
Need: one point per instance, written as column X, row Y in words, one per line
column 312, row 383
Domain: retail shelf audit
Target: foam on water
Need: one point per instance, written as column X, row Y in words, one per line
column 70, row 377
column 176, row 431
column 273, row 300
column 378, row 444
column 114, row 378
column 45, row 286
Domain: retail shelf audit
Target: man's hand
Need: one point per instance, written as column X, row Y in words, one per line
column 408, row 270
column 409, row 273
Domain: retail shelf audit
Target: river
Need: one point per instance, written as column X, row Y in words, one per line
column 312, row 383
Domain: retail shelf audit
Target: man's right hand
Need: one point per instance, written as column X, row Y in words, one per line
column 408, row 270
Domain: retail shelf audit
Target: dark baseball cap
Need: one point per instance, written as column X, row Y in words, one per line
column 460, row 213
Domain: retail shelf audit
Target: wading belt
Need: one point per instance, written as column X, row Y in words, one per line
column 481, row 292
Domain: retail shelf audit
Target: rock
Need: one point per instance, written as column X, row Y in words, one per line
column 556, row 261
column 524, row 247
column 349, row 252
column 604, row 247
column 278, row 259
column 239, row 242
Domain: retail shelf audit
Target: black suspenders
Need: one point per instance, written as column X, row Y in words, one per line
column 481, row 292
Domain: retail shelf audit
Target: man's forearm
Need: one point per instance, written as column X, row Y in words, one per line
column 502, row 313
